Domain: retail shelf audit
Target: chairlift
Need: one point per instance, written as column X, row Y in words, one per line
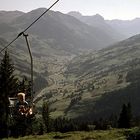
column 29, row 50
column 13, row 100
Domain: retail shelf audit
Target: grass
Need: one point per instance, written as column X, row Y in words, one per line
column 114, row 134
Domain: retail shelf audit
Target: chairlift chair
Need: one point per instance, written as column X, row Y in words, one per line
column 13, row 100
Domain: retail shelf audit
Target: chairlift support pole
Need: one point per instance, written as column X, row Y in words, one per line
column 31, row 59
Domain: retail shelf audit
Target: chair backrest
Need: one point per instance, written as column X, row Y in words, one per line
column 13, row 101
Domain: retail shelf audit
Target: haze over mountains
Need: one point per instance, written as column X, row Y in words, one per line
column 65, row 30
column 72, row 82
column 124, row 27
column 127, row 27
column 88, row 32
column 97, row 21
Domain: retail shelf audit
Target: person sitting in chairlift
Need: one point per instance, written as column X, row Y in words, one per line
column 22, row 106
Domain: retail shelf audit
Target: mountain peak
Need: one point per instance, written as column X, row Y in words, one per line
column 75, row 14
column 38, row 10
column 98, row 17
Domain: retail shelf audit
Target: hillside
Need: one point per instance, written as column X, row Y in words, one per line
column 55, row 39
column 46, row 60
column 99, row 83
column 8, row 16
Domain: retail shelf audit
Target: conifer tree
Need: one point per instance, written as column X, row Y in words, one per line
column 46, row 115
column 125, row 116
column 129, row 115
column 8, row 82
column 8, row 87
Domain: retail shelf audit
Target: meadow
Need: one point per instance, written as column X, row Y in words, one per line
column 113, row 134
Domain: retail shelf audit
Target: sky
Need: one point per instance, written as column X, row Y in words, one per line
column 109, row 9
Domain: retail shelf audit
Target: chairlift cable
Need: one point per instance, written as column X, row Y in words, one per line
column 27, row 27
column 40, row 16
column 9, row 44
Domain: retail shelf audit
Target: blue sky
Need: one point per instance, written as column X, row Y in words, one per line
column 109, row 9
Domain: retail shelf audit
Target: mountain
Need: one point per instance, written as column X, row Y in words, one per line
column 127, row 27
column 61, row 30
column 75, row 14
column 97, row 84
column 117, row 28
column 8, row 16
column 113, row 57
column 55, row 39
column 97, row 21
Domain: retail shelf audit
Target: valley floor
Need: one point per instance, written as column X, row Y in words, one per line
column 114, row 134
